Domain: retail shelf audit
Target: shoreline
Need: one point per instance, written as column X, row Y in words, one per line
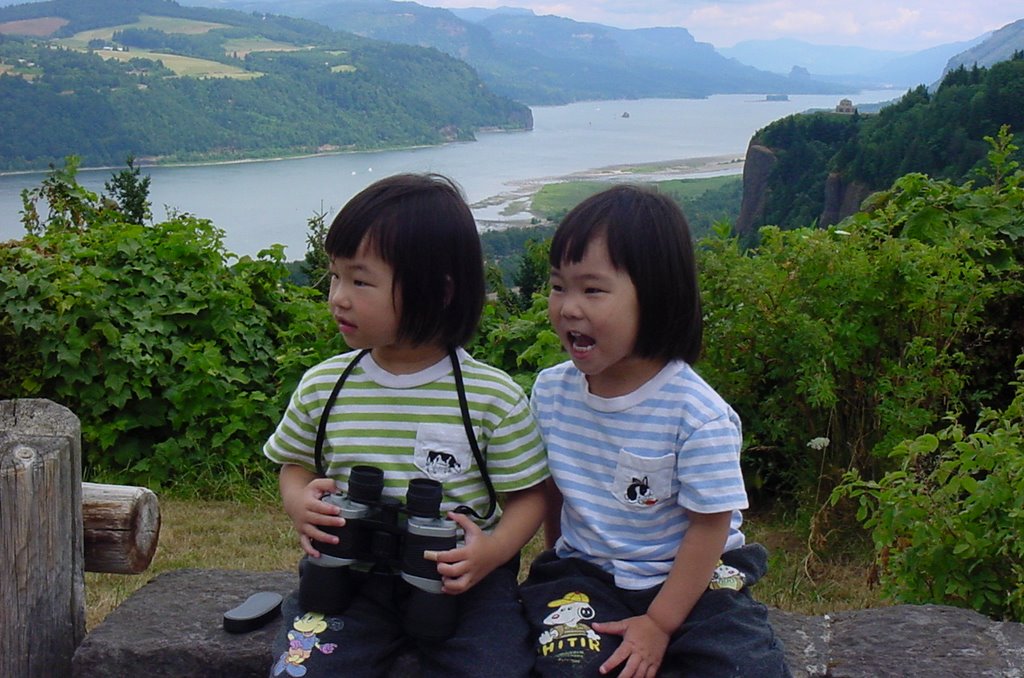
column 512, row 206
column 142, row 163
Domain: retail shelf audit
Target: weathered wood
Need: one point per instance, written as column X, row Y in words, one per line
column 42, row 581
column 121, row 528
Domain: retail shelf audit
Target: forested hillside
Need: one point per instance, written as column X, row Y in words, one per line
column 821, row 163
column 152, row 79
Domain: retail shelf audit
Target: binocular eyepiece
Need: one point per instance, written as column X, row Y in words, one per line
column 382, row 534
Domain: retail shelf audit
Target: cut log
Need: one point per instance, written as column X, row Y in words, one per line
column 42, row 585
column 122, row 528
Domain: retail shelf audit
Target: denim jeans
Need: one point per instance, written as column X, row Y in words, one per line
column 726, row 634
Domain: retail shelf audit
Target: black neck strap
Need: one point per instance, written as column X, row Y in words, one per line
column 467, row 422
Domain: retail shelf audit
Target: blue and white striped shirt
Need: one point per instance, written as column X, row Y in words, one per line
column 630, row 467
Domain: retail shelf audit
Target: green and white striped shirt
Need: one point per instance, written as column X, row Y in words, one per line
column 410, row 425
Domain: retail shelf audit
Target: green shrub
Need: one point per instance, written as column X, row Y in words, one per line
column 522, row 344
column 947, row 525
column 866, row 334
column 177, row 360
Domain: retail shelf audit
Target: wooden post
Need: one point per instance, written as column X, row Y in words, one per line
column 122, row 527
column 42, row 581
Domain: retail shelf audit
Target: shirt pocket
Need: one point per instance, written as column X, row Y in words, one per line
column 442, row 451
column 643, row 482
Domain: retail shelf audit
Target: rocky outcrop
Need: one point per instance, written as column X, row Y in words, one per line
column 757, row 167
column 842, row 199
column 173, row 626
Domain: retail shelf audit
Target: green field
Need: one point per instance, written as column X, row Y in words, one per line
column 552, row 201
column 242, row 46
column 184, row 65
column 161, row 23
column 181, row 65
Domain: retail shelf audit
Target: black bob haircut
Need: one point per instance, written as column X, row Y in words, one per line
column 649, row 238
column 422, row 227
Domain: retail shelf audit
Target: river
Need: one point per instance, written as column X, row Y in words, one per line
column 264, row 202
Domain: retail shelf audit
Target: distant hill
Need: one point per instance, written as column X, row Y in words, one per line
column 548, row 59
column 818, row 168
column 782, row 54
column 999, row 46
column 856, row 66
column 104, row 79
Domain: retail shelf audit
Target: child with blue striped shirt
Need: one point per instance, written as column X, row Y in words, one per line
column 648, row 573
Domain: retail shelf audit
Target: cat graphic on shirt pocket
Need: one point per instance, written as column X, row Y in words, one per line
column 442, row 451
column 643, row 481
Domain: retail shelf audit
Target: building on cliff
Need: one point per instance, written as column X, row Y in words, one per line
column 846, row 107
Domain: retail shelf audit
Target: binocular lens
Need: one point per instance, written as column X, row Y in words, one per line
column 365, row 483
column 423, row 498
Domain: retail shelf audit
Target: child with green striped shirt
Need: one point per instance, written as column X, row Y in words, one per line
column 407, row 289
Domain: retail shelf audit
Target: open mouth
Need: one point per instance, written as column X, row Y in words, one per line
column 581, row 343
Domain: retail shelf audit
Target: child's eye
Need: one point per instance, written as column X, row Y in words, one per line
column 592, row 290
column 555, row 287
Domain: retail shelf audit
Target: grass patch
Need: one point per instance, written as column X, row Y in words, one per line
column 39, row 28
column 185, row 66
column 166, row 24
column 243, row 46
column 694, row 188
column 553, row 201
column 257, row 536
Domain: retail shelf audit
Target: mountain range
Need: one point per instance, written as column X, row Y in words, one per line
column 999, row 46
column 551, row 59
column 855, row 66
column 548, row 59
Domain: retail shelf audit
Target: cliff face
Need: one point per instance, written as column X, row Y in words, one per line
column 842, row 198
column 757, row 168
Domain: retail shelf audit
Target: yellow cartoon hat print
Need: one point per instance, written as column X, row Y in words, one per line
column 574, row 597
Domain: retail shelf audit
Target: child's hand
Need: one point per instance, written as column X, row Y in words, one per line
column 309, row 512
column 462, row 568
column 643, row 646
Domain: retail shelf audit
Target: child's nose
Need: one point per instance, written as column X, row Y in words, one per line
column 338, row 296
column 570, row 308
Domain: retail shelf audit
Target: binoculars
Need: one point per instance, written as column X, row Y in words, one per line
column 382, row 534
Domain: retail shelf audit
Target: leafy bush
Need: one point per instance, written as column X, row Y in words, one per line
column 947, row 523
column 177, row 361
column 522, row 343
column 868, row 333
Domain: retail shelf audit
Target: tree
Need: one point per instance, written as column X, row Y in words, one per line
column 130, row 192
column 316, row 262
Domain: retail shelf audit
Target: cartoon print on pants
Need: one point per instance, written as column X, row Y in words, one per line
column 726, row 577
column 568, row 638
column 302, row 640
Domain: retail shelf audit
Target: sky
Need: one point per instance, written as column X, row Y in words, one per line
column 900, row 25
